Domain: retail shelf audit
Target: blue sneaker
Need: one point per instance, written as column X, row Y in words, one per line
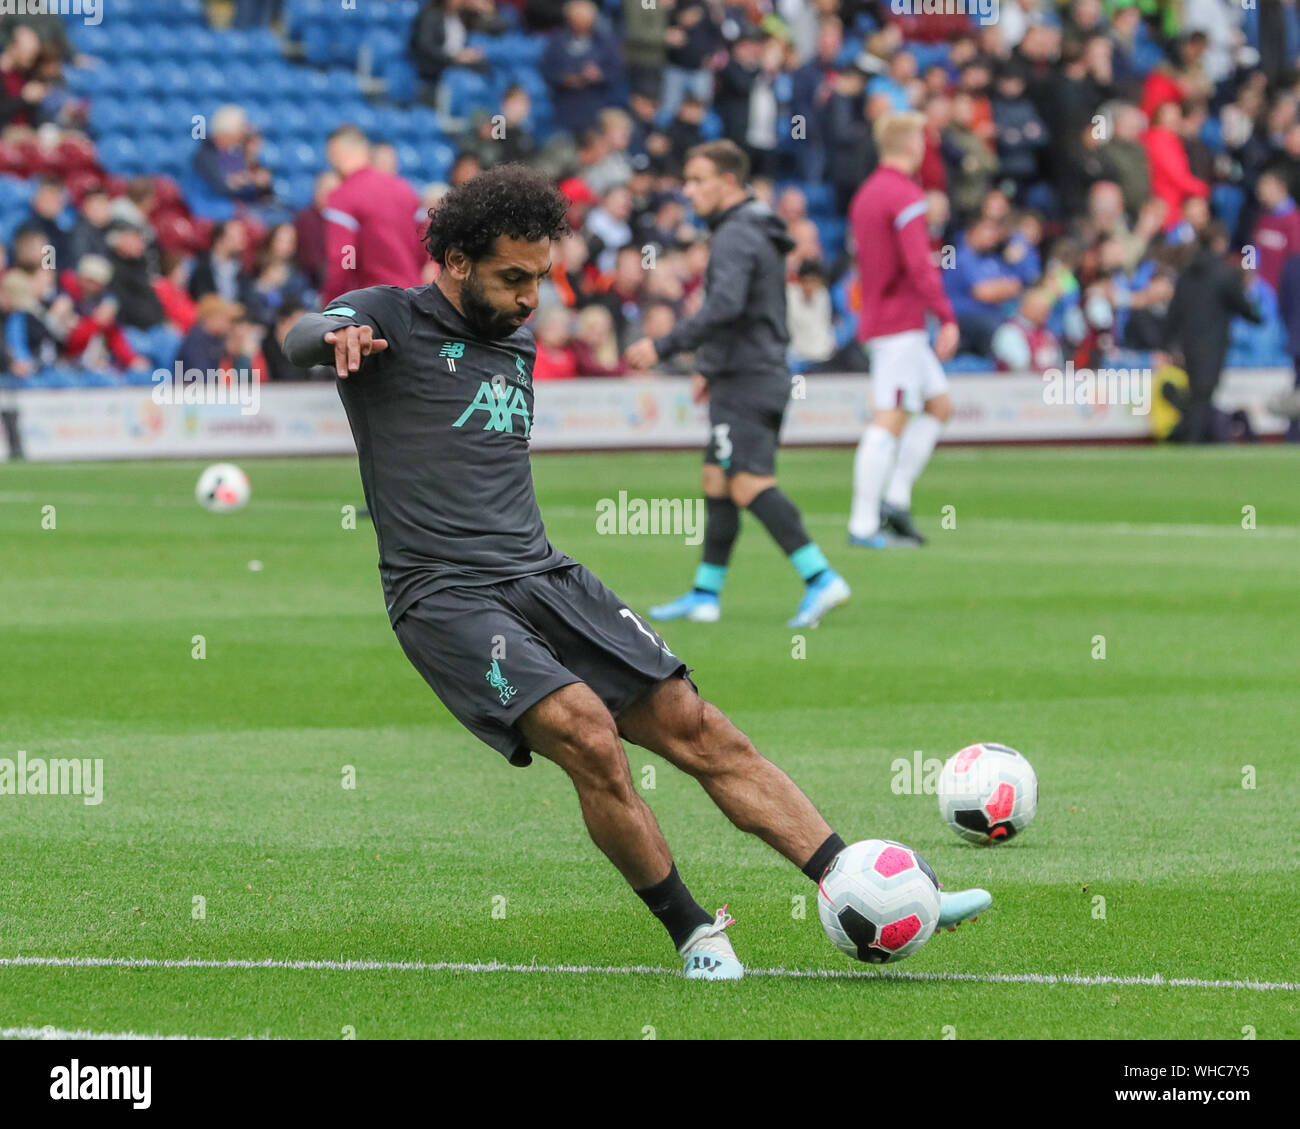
column 830, row 590
column 961, row 905
column 708, row 953
column 699, row 607
column 883, row 539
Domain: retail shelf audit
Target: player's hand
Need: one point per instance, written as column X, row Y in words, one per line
column 351, row 344
column 945, row 344
column 699, row 389
column 642, row 354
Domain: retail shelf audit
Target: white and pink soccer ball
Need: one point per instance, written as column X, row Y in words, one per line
column 987, row 793
column 878, row 901
column 223, row 488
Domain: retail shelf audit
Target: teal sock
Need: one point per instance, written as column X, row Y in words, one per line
column 710, row 578
column 809, row 562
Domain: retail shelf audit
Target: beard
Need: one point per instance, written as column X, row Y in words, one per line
column 483, row 317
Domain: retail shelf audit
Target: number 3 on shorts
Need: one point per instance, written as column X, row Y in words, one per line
column 722, row 442
column 628, row 613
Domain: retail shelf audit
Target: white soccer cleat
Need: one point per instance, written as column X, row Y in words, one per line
column 961, row 905
column 708, row 952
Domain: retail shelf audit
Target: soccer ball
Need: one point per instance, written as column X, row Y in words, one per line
column 878, row 901
column 987, row 793
column 223, row 488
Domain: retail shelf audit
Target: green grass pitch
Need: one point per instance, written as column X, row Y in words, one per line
column 1149, row 862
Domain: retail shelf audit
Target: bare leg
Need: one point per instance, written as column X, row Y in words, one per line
column 697, row 737
column 573, row 728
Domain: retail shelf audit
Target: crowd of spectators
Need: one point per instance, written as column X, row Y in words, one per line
column 1080, row 156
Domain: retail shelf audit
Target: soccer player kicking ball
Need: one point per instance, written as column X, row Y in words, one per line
column 899, row 285
column 525, row 647
column 740, row 339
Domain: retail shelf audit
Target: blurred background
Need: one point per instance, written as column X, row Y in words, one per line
column 168, row 194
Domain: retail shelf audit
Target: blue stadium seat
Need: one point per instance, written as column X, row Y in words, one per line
column 401, row 82
column 281, row 80
column 91, row 378
column 119, row 154
column 438, row 157
column 337, row 82
column 382, row 45
column 124, row 38
column 90, row 81
column 136, row 77
column 205, row 43
column 169, row 42
column 422, row 124
column 462, row 91
column 300, row 13
column 820, row 197
column 209, row 82
column 109, row 116
column 174, row 78
column 61, row 377
column 970, row 363
column 317, row 44
column 243, row 79
column 148, row 116
column 294, row 120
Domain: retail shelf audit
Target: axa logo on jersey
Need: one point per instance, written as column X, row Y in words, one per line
column 501, row 404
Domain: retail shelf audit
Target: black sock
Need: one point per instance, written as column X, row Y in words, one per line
column 781, row 518
column 721, row 528
column 816, row 866
column 671, row 902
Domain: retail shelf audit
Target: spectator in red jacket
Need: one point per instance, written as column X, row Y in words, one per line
column 555, row 360
column 310, row 225
column 373, row 220
column 170, row 286
column 1171, row 176
column 20, row 93
column 96, row 331
column 1277, row 231
column 595, row 345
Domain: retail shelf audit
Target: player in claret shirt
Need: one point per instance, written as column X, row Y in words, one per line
column 900, row 285
column 525, row 647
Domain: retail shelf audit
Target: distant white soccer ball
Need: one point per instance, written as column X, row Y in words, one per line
column 878, row 901
column 987, row 793
column 223, row 488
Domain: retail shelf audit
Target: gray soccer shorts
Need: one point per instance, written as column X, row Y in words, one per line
column 490, row 652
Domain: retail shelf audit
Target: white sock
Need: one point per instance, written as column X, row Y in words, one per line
column 871, row 467
column 914, row 450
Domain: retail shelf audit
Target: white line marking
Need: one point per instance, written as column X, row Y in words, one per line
column 1077, row 979
column 61, row 1033
column 1083, row 528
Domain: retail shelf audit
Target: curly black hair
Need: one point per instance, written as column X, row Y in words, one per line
column 511, row 200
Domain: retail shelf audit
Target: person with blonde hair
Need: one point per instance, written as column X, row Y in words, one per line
column 900, row 285
column 595, row 345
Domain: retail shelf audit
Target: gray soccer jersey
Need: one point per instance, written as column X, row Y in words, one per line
column 441, row 422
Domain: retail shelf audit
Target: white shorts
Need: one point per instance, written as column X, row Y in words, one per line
column 905, row 373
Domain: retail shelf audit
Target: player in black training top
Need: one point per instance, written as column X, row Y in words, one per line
column 524, row 645
column 740, row 338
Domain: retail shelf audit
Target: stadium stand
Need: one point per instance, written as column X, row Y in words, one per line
column 1029, row 119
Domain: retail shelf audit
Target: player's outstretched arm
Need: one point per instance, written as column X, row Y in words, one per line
column 319, row 340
